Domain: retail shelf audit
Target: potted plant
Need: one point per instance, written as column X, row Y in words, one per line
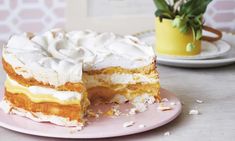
column 179, row 25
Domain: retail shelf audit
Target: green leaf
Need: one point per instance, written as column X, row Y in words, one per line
column 177, row 22
column 180, row 23
column 186, row 7
column 194, row 33
column 161, row 5
column 164, row 7
column 201, row 6
column 162, row 14
column 175, row 1
column 184, row 28
column 196, row 28
column 194, row 7
column 198, row 34
column 198, row 19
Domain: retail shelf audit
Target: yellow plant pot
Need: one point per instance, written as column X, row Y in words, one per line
column 170, row 41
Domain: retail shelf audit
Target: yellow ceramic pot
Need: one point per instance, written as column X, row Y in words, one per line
column 170, row 41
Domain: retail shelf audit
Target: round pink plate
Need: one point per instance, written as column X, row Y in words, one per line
column 102, row 127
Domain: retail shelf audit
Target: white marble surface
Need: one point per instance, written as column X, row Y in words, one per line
column 216, row 87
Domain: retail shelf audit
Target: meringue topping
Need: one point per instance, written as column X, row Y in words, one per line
column 57, row 57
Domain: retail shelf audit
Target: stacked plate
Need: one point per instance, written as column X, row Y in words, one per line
column 214, row 54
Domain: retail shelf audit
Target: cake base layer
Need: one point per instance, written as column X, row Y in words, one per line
column 71, row 112
column 7, row 107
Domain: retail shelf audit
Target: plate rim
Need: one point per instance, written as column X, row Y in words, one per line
column 226, row 60
column 40, row 134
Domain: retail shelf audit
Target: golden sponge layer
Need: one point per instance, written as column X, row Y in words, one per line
column 73, row 112
column 130, row 91
column 110, row 70
column 79, row 87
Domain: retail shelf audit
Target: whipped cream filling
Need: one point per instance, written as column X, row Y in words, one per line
column 37, row 90
column 57, row 57
column 38, row 116
column 117, row 78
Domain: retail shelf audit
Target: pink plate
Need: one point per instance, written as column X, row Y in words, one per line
column 102, row 127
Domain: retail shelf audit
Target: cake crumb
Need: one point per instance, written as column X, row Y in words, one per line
column 116, row 112
column 91, row 113
column 194, row 112
column 120, row 99
column 150, row 100
column 97, row 115
column 115, row 106
column 141, row 107
column 128, row 124
column 133, row 111
column 109, row 112
column 75, row 129
column 141, row 102
column 145, row 98
column 199, row 101
column 164, row 108
column 113, row 111
column 164, row 100
column 167, row 133
column 99, row 112
column 141, row 126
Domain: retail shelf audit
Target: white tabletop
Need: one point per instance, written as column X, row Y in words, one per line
column 216, row 87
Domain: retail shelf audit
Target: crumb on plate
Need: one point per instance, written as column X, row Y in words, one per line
column 128, row 124
column 167, row 133
column 194, row 112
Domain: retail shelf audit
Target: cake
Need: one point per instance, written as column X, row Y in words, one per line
column 53, row 77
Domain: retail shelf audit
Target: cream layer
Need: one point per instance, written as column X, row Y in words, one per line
column 116, row 78
column 42, row 94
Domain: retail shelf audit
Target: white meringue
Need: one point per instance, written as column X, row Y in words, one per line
column 57, row 57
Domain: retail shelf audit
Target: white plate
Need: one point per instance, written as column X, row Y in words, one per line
column 102, row 127
column 223, row 58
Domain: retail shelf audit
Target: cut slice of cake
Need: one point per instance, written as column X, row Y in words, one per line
column 53, row 76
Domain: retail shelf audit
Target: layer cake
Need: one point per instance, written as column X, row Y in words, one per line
column 53, row 77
